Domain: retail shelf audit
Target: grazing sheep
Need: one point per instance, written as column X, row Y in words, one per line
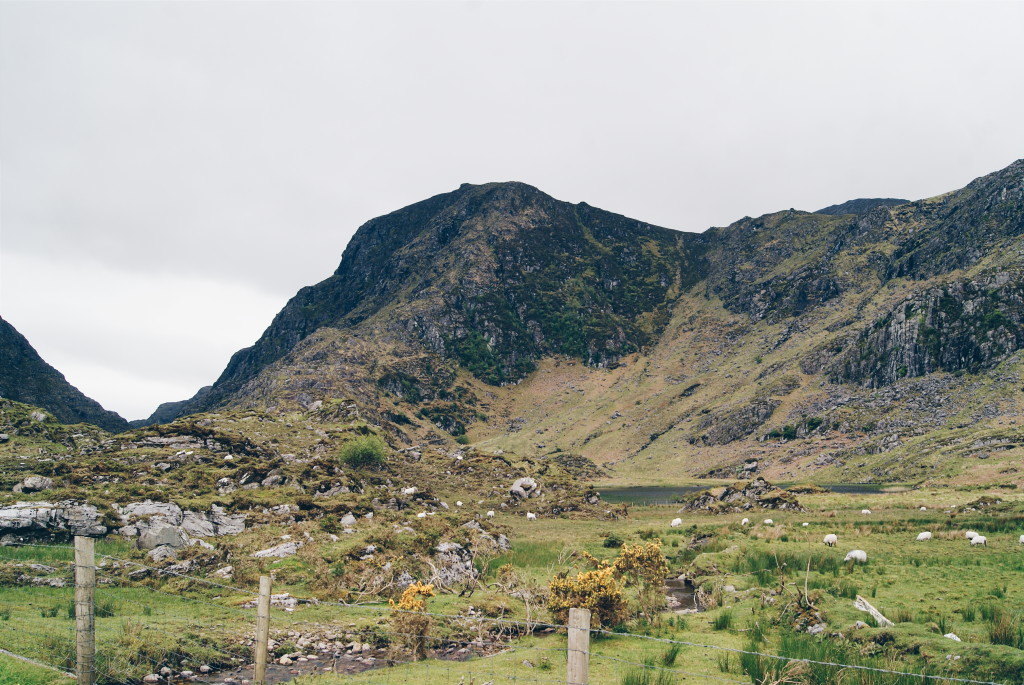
column 924, row 508
column 865, row 511
column 458, row 503
column 858, row 555
column 831, row 539
column 676, row 523
column 979, row 540
column 921, row 537
column 805, row 524
column 746, row 522
column 530, row 516
column 490, row 514
column 970, row 535
column 409, row 491
column 768, row 522
column 421, row 515
column 1022, row 539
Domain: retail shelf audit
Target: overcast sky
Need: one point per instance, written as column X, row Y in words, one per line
column 171, row 173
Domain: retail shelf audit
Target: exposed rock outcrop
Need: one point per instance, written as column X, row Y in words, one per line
column 39, row 519
column 757, row 494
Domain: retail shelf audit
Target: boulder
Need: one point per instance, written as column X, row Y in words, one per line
column 34, row 484
column 285, row 549
column 161, row 533
column 524, row 488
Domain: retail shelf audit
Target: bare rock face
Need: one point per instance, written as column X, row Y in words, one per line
column 33, row 519
column 757, row 494
column 454, row 564
column 164, row 523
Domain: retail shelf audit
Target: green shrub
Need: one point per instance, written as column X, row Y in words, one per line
column 365, row 451
column 612, row 540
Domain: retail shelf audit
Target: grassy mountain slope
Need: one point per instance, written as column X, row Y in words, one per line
column 863, row 343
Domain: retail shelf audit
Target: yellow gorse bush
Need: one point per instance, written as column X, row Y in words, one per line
column 642, row 564
column 410, row 599
column 596, row 590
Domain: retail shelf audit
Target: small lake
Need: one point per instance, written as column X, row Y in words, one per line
column 668, row 494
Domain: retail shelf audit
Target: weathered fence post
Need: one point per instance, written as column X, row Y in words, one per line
column 579, row 647
column 262, row 631
column 85, row 613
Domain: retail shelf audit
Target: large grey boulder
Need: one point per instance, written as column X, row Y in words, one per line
column 34, row 518
column 524, row 488
column 34, row 484
column 161, row 533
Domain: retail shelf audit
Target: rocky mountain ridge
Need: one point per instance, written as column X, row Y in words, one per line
column 523, row 323
column 25, row 377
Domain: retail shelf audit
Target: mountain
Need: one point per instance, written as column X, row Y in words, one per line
column 872, row 340
column 25, row 377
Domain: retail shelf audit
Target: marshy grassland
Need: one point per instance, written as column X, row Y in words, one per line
column 750, row 579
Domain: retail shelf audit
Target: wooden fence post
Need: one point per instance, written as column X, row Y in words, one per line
column 85, row 611
column 579, row 647
column 262, row 631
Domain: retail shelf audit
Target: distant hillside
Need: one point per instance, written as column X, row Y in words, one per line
column 25, row 377
column 874, row 340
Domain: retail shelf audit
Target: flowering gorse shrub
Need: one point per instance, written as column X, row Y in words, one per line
column 596, row 590
column 411, row 628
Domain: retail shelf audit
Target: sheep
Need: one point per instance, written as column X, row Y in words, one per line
column 857, row 555
column 768, row 522
column 458, row 503
column 979, row 540
column 746, row 522
column 865, row 511
column 970, row 535
column 921, row 537
column 490, row 514
column 676, row 523
column 421, row 515
column 805, row 524
column 1022, row 539
column 530, row 516
column 409, row 491
column 831, row 539
column 924, row 508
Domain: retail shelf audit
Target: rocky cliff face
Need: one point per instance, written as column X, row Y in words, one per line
column 498, row 313
column 25, row 377
column 493, row 276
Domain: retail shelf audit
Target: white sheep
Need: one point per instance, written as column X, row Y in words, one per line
column 970, row 535
column 530, row 516
column 865, row 511
column 768, row 522
column 858, row 555
column 490, row 514
column 676, row 523
column 746, row 522
column 831, row 539
column 1022, row 539
column 924, row 508
column 409, row 491
column 458, row 503
column 979, row 540
column 421, row 515
column 921, row 537
column 805, row 524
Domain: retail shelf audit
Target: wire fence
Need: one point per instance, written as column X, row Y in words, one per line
column 164, row 625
